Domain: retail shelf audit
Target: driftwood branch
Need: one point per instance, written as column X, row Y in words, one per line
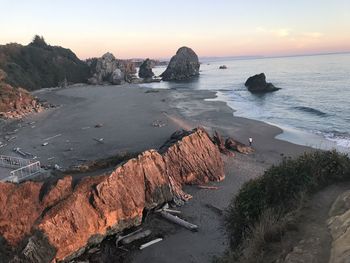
column 179, row 221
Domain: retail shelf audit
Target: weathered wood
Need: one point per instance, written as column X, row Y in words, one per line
column 179, row 221
column 150, row 243
column 208, row 187
column 139, row 235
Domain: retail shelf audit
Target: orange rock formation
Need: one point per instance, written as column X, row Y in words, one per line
column 70, row 219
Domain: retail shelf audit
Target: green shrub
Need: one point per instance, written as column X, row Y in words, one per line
column 279, row 187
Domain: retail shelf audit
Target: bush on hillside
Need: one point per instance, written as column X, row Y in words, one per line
column 279, row 188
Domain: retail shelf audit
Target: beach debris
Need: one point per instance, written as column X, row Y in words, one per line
column 209, row 187
column 57, row 167
column 98, row 125
column 150, row 243
column 24, row 153
column 3, row 145
column 44, row 144
column 18, row 150
column 167, row 209
column 50, row 158
column 11, row 138
column 100, row 140
column 137, row 236
column 120, row 238
column 158, row 124
column 85, row 128
column 55, row 136
column 179, row 221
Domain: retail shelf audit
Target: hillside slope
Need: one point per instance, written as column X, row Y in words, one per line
column 39, row 65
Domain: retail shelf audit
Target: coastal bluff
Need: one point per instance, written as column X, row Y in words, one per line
column 44, row 223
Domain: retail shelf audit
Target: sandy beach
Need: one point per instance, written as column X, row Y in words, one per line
column 134, row 119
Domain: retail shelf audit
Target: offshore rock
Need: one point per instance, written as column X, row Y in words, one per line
column 258, row 84
column 145, row 70
column 68, row 218
column 183, row 66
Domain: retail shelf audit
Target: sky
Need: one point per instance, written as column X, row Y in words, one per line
column 157, row 28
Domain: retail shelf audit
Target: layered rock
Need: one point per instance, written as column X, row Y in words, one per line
column 258, row 84
column 15, row 102
column 67, row 218
column 339, row 225
column 108, row 69
column 183, row 66
column 145, row 70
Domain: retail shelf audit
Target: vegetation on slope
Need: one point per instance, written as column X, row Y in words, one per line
column 264, row 205
column 39, row 65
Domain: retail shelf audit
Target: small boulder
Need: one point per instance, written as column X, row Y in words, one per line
column 183, row 66
column 117, row 77
column 223, row 67
column 258, row 84
column 145, row 71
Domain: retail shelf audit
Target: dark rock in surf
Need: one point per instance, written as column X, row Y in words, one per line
column 183, row 66
column 258, row 84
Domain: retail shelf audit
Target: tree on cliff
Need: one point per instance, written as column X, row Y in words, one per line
column 38, row 41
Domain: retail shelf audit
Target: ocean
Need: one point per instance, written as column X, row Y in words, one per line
column 312, row 106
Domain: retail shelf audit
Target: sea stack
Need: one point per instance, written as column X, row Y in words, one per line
column 258, row 84
column 145, row 71
column 183, row 66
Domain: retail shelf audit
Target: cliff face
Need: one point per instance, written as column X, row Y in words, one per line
column 339, row 226
column 72, row 218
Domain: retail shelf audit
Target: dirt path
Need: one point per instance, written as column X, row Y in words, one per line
column 312, row 240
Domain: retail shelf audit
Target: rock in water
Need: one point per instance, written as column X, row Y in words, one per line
column 184, row 65
column 145, row 71
column 257, row 83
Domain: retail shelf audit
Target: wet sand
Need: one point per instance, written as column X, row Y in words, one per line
column 126, row 113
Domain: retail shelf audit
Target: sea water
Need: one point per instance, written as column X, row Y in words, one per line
column 312, row 106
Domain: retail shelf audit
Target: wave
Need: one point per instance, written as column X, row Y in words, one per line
column 311, row 110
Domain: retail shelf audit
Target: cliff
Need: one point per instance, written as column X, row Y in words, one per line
column 69, row 218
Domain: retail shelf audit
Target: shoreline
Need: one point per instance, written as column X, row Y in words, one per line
column 295, row 135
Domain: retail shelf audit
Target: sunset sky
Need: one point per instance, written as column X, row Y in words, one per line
column 156, row 28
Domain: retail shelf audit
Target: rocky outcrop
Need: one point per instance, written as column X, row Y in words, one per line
column 108, row 69
column 339, row 226
column 145, row 70
column 183, row 66
column 16, row 102
column 67, row 219
column 227, row 146
column 258, row 84
column 237, row 146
